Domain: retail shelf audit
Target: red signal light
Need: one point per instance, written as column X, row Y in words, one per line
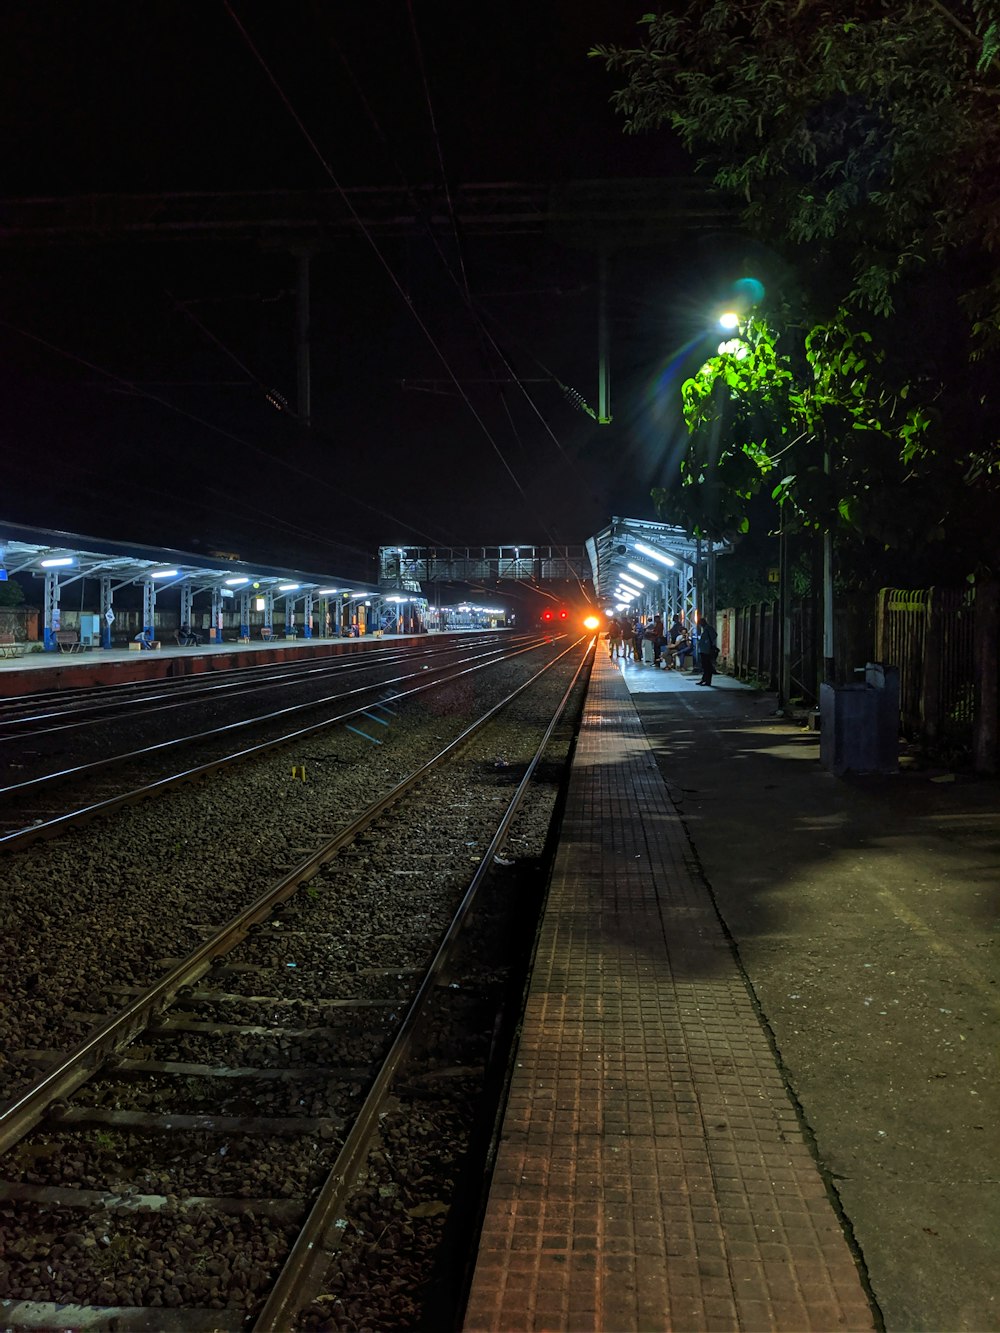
column 546, row 615
column 563, row 614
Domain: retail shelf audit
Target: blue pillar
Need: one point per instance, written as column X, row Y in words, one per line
column 149, row 607
column 244, row 615
column 51, row 623
column 217, row 605
column 289, row 615
column 187, row 604
column 106, row 606
column 269, row 610
column 307, row 616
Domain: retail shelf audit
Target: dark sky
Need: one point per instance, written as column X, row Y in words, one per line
column 136, row 376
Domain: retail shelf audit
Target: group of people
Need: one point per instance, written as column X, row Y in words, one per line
column 667, row 648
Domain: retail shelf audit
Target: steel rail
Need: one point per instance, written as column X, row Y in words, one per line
column 309, row 1250
column 48, row 827
column 159, row 697
column 27, row 1108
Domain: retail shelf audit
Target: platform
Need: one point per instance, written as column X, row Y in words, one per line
column 652, row 1172
column 34, row 672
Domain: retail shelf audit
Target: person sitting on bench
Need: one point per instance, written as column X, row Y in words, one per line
column 144, row 638
column 188, row 636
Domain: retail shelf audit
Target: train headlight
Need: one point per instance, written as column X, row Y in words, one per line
column 591, row 623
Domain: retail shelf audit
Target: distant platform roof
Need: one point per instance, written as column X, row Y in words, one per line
column 30, row 550
column 658, row 547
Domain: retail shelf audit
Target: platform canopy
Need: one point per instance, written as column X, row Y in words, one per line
column 641, row 557
column 26, row 550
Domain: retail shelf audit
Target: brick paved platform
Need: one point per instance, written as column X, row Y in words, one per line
column 652, row 1173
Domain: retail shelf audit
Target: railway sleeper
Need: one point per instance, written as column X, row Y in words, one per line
column 61, row 1196
column 280, row 1126
column 45, row 1315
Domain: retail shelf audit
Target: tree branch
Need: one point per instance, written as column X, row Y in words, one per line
column 956, row 22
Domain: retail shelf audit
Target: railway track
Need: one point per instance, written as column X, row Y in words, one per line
column 55, row 711
column 70, row 793
column 176, row 1155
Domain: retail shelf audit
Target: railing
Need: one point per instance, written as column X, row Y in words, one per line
column 928, row 633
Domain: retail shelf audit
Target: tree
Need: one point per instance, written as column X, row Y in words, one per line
column 11, row 593
column 868, row 136
column 865, row 147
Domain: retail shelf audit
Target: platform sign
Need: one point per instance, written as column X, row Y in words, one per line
column 774, row 574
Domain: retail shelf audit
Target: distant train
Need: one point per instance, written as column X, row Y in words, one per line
column 570, row 618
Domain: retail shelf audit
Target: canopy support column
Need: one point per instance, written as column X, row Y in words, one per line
column 51, row 610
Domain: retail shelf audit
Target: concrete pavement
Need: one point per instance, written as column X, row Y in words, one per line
column 864, row 910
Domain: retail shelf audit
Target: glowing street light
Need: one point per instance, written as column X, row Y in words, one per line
column 729, row 320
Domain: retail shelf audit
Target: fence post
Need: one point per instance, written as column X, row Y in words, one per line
column 930, row 685
column 987, row 624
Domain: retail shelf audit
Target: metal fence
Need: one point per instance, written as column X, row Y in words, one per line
column 929, row 634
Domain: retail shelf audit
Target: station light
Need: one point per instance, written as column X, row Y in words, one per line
column 631, row 582
column 288, row 587
column 163, row 574
column 653, row 554
column 641, row 570
column 57, row 563
column 236, row 583
column 325, row 592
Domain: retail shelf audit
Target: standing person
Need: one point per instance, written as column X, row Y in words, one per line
column 655, row 634
column 708, row 648
column 614, row 637
column 636, row 631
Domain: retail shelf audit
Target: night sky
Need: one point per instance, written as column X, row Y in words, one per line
column 139, row 378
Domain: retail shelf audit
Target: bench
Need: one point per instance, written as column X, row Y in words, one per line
column 191, row 641
column 134, row 647
column 68, row 640
column 9, row 646
column 267, row 634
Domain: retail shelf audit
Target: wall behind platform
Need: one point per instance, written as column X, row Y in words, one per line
column 21, row 621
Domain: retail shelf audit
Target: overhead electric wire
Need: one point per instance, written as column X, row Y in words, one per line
column 318, row 154
column 134, row 387
column 461, row 283
column 484, row 332
column 266, row 389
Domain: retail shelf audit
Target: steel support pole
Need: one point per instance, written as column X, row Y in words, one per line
column 217, row 612
column 603, row 364
column 51, row 610
column 107, row 610
column 149, row 607
column 829, row 664
column 269, row 611
column 187, row 605
column 244, row 615
column 307, row 616
column 302, row 351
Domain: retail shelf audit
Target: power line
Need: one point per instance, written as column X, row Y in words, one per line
column 315, row 149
